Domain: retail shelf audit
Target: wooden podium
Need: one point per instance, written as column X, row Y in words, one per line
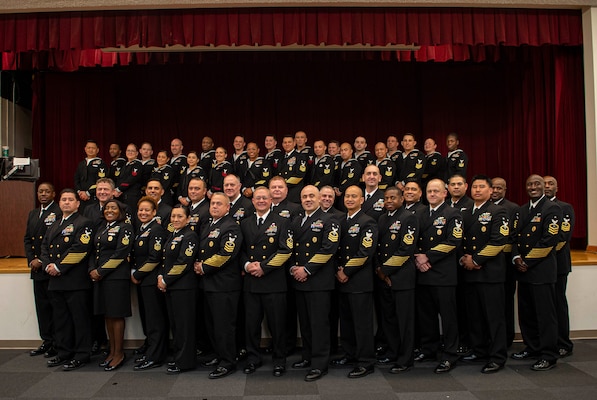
column 17, row 198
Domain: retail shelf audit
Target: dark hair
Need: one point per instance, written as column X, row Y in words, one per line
column 68, row 190
column 481, row 177
column 394, row 189
column 92, row 141
column 121, row 208
column 185, row 209
column 200, row 180
column 47, row 184
column 411, row 180
column 456, row 176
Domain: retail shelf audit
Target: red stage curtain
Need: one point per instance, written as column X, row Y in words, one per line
column 521, row 115
column 69, row 41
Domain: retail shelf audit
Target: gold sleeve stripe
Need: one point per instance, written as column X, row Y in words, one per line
column 177, row 269
column 278, row 260
column 508, row 248
column 216, row 260
column 560, row 245
column 73, row 258
column 111, row 264
column 92, row 187
column 443, row 248
column 320, row 258
column 356, row 262
column 261, row 182
column 539, row 253
column 396, row 261
column 491, row 251
column 148, row 267
column 294, row 180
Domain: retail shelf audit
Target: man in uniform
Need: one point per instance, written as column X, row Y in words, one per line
column 322, row 172
column 412, row 163
column 358, row 241
column 486, row 232
column 280, row 204
column 116, row 161
column 393, row 153
column 328, row 198
column 435, row 163
column 457, row 160
column 373, row 202
column 565, row 345
column 293, row 168
column 316, row 236
column 37, row 224
column 267, row 246
column 361, row 154
column 218, row 264
column 154, row 190
column 64, row 257
column 240, row 206
column 178, row 162
column 88, row 172
column 258, row 172
column 439, row 238
column 146, row 151
column 273, row 155
column 199, row 205
column 387, row 167
column 208, row 154
column 350, row 174
column 300, row 138
column 239, row 157
column 412, row 197
column 398, row 232
column 537, row 230
column 457, row 188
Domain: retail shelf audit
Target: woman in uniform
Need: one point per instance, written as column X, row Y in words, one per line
column 163, row 173
column 218, row 172
column 110, row 270
column 178, row 282
column 193, row 171
column 147, row 255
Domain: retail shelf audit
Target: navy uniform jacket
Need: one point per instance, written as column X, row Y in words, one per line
column 537, row 235
column 67, row 245
column 240, row 164
column 287, row 209
column 563, row 246
column 94, row 213
column 322, row 173
column 147, row 253
column 309, row 155
column 356, row 252
column 439, row 238
column 388, row 171
column 435, row 167
column 293, row 168
column 397, row 243
column 373, row 206
column 464, row 203
column 456, row 162
column 206, row 160
column 148, row 166
column 485, row 235
column 116, row 167
column 112, row 245
column 220, row 245
column 178, row 165
column 418, row 208
column 185, row 178
column 511, row 209
column 412, row 166
column 350, row 174
column 165, row 174
column 87, row 174
column 257, row 174
column 273, row 158
column 179, row 254
column 199, row 215
column 315, row 245
column 217, row 174
column 242, row 208
column 163, row 216
column 271, row 244
column 365, row 158
column 34, row 235
column 130, row 180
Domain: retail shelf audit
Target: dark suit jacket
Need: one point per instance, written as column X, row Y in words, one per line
column 464, row 203
column 537, row 234
column 34, row 235
column 111, row 249
column 243, row 208
column 271, row 244
column 373, row 207
column 147, row 253
column 287, row 209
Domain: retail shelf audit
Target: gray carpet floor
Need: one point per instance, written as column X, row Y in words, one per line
column 574, row 378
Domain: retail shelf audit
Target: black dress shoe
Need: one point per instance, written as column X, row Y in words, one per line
column 171, row 363
column 251, row 367
column 279, row 370
column 141, row 349
column 242, row 355
column 463, row 349
column 220, row 372
column 343, row 362
column 397, row 369
column 443, row 367
column 421, row 357
column 109, row 368
column 104, row 363
column 565, row 353
column 471, row 358
column 211, row 363
column 384, row 361
column 147, row 364
column 56, row 361
column 40, row 350
column 491, row 367
column 315, row 374
column 51, row 353
column 173, row 370
column 543, row 365
column 72, row 365
column 359, row 372
column 96, row 348
column 140, row 360
column 302, row 364
column 380, row 350
column 522, row 355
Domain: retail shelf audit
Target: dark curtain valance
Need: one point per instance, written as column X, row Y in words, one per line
column 71, row 40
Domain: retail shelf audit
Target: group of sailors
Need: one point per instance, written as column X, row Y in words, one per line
column 335, row 236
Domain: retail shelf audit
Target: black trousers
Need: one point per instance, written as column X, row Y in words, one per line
column 564, row 341
column 181, row 312
column 220, row 316
column 273, row 306
column 510, row 294
column 398, row 318
column 43, row 310
column 356, row 326
column 72, row 324
column 314, row 311
column 157, row 325
column 538, row 320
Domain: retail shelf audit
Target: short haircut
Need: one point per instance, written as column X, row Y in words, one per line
column 481, row 177
column 394, row 189
column 109, row 181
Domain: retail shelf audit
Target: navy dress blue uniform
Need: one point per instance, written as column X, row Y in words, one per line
column 309, row 155
column 486, row 232
column 86, row 175
column 206, row 160
column 164, row 174
column 358, row 242
column 417, row 208
column 241, row 209
column 365, row 158
column 66, row 244
column 315, row 244
column 398, row 233
column 179, row 253
column 147, row 254
column 111, row 248
column 373, row 203
column 287, row 209
column 185, row 178
column 217, row 174
column 178, row 164
column 350, row 174
column 322, row 172
column 387, row 169
column 199, row 213
column 564, row 268
column 537, row 232
column 116, row 167
column 456, row 163
column 220, row 244
column 411, row 166
column 239, row 163
column 258, row 173
column 130, row 182
column 269, row 243
column 440, row 236
column 435, row 167
column 38, row 222
column 293, row 168
column 273, row 159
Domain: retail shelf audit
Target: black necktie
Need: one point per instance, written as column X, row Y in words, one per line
column 260, row 221
column 367, row 197
column 41, row 212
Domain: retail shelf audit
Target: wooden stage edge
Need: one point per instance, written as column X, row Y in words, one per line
column 18, row 265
